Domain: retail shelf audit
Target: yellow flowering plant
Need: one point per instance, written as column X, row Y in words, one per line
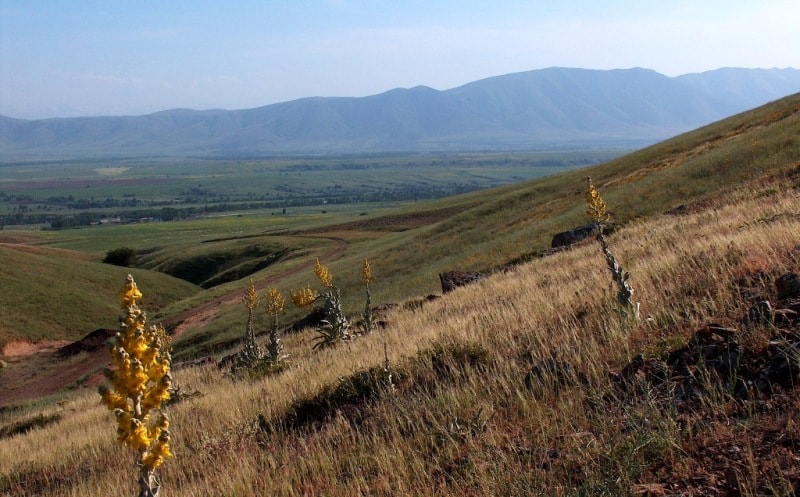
column 252, row 361
column 141, row 380
column 335, row 327
column 251, row 353
column 597, row 211
column 274, row 302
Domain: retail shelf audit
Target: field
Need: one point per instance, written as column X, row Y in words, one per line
column 524, row 383
column 74, row 193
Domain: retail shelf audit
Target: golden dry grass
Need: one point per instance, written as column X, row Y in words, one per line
column 460, row 420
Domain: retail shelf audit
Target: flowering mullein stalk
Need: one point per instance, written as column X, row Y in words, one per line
column 141, row 381
column 250, row 353
column 597, row 211
column 274, row 306
column 334, row 328
column 366, row 276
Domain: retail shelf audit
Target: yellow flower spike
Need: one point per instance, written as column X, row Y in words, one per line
column 366, row 272
column 304, row 297
column 138, row 438
column 323, row 274
column 597, row 206
column 274, row 302
column 130, row 294
column 139, row 374
column 250, row 298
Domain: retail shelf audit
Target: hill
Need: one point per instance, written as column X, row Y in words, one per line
column 529, row 382
column 556, row 107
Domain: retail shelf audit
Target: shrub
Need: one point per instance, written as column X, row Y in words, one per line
column 122, row 256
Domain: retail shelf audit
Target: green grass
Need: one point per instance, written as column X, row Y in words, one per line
column 57, row 188
column 50, row 294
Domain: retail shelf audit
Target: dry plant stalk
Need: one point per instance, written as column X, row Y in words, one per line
column 597, row 211
column 366, row 276
column 141, row 380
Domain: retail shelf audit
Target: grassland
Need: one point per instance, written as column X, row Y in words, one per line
column 458, row 418
column 52, row 192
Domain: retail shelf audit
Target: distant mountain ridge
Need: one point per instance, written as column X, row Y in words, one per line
column 555, row 107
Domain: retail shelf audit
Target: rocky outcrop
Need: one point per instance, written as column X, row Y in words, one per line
column 788, row 286
column 91, row 342
column 573, row 236
column 453, row 279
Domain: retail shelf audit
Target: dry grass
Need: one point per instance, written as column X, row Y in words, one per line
column 460, row 420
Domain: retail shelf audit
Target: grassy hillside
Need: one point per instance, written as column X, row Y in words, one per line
column 458, row 416
column 409, row 246
column 489, row 228
column 50, row 293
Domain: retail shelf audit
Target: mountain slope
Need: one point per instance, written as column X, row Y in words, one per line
column 542, row 108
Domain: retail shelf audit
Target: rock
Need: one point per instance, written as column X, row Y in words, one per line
column 713, row 350
column 640, row 372
column 453, row 279
column 782, row 368
column 91, row 342
column 573, row 236
column 760, row 314
column 788, row 286
column 785, row 317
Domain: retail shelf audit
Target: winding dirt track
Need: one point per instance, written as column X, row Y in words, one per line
column 21, row 383
column 205, row 312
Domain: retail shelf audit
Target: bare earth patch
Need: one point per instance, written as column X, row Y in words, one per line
column 19, row 349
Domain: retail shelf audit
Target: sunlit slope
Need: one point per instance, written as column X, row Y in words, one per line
column 503, row 224
column 58, row 294
column 490, row 228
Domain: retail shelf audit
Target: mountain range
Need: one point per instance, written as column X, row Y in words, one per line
column 546, row 108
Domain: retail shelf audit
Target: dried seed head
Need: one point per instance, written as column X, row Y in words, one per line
column 323, row 274
column 304, row 297
column 597, row 206
column 366, row 272
column 250, row 298
column 274, row 302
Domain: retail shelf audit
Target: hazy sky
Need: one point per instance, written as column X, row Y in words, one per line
column 107, row 57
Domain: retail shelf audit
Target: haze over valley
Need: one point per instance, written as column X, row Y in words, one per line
column 555, row 108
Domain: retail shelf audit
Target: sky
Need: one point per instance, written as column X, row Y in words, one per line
column 106, row 57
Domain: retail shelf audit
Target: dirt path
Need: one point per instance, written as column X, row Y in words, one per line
column 207, row 311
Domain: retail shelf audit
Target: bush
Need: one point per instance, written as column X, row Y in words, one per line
column 122, row 256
